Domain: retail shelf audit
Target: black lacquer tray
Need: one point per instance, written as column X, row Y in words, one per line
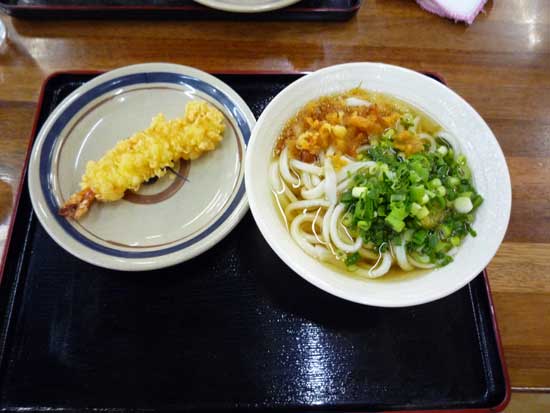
column 324, row 10
column 231, row 330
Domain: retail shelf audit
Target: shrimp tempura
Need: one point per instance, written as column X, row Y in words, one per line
column 147, row 154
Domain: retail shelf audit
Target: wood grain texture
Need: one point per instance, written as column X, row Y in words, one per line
column 529, row 403
column 500, row 64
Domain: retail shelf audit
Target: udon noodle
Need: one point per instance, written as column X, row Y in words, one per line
column 365, row 182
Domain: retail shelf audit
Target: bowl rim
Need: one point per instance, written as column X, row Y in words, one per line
column 300, row 267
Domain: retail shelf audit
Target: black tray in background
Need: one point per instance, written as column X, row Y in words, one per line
column 323, row 10
column 233, row 329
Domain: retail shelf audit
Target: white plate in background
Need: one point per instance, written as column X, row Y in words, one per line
column 247, row 6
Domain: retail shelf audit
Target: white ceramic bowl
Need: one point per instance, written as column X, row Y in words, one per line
column 474, row 139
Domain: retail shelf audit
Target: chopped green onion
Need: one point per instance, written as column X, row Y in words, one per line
column 422, row 172
column 388, row 134
column 446, row 259
column 420, row 236
column 446, row 230
column 364, row 225
column 347, row 220
column 407, row 120
column 453, row 181
column 442, row 150
column 417, row 193
column 395, row 219
column 477, row 201
column 352, row 259
column 424, row 259
column 419, row 211
column 425, row 201
column 463, row 205
column 435, row 183
column 357, row 191
column 398, row 197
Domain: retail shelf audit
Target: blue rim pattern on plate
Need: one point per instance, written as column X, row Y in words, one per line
column 46, row 157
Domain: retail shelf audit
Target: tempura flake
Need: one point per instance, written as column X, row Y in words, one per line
column 147, row 154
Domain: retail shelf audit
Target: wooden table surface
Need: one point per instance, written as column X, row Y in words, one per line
column 500, row 64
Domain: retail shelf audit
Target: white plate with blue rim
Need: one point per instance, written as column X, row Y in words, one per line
column 166, row 222
column 247, row 6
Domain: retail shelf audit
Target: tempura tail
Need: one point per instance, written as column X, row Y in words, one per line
column 147, row 154
column 78, row 204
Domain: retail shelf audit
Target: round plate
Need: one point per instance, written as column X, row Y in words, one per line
column 473, row 138
column 167, row 221
column 247, row 6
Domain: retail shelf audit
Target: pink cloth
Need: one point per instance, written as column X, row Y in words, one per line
column 458, row 10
